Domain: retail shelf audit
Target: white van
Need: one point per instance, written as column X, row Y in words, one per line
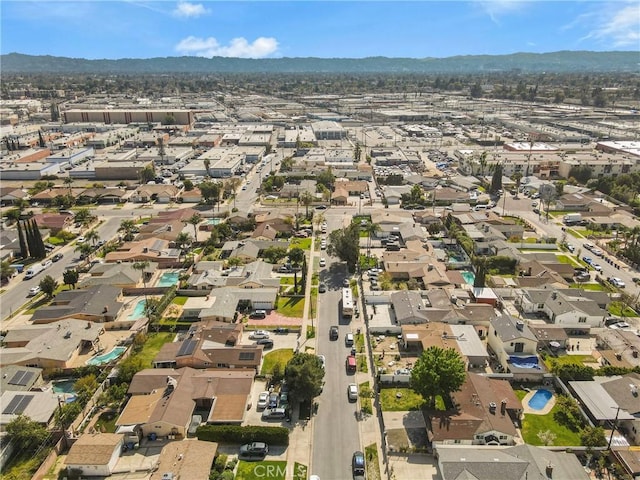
column 479, row 208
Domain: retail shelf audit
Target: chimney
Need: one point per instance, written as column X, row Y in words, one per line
column 529, row 272
column 503, row 407
column 520, row 325
column 492, row 408
column 549, row 470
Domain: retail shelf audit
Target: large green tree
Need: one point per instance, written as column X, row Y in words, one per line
column 48, row 285
column 304, row 375
column 496, row 180
column 27, row 433
column 438, row 371
column 345, row 244
column 70, row 277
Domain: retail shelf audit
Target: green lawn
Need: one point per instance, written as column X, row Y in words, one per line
column 107, row 422
column 273, row 470
column 569, row 360
column 291, row 306
column 616, row 308
column 180, row 300
column 520, row 394
column 534, row 424
column 303, row 243
column 286, row 280
column 575, row 232
column 373, row 465
column 280, row 357
column 407, row 400
column 299, row 471
column 566, row 259
column 152, row 346
column 594, row 287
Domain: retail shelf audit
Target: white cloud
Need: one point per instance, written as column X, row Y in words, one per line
column 238, row 47
column 620, row 28
column 189, row 10
column 499, row 8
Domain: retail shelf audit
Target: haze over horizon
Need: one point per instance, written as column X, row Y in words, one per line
column 333, row 29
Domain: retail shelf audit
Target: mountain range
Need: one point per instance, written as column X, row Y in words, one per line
column 554, row 62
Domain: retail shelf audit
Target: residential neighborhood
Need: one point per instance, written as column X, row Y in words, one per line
column 360, row 287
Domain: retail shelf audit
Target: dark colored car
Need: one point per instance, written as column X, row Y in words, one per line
column 57, row 257
column 265, row 342
column 274, row 398
column 358, row 465
column 281, row 331
column 255, row 450
column 333, row 333
column 322, row 288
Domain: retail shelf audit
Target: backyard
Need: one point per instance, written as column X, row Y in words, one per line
column 534, row 425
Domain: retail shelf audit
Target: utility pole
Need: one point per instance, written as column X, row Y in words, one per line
column 613, row 428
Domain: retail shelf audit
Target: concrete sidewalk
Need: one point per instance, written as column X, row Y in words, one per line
column 301, row 435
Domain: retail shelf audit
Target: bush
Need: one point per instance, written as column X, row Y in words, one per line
column 248, row 434
column 220, row 463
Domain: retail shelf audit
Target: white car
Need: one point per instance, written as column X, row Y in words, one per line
column 617, row 282
column 352, row 392
column 33, row 291
column 323, row 262
column 596, row 267
column 597, row 251
column 80, row 240
column 322, row 360
column 258, row 334
column 619, row 325
column 263, row 400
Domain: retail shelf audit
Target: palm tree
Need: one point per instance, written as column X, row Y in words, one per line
column 182, row 239
column 306, row 199
column 128, row 227
column 483, row 162
column 85, row 249
column 141, row 266
column 207, row 164
column 194, row 220
column 319, row 219
column 68, row 181
column 296, row 256
column 371, row 229
column 92, row 236
column 517, row 177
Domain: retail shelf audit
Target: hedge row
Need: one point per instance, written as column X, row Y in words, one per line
column 248, row 434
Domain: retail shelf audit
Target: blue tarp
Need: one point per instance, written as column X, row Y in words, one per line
column 524, row 362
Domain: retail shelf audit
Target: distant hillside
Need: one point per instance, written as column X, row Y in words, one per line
column 559, row 62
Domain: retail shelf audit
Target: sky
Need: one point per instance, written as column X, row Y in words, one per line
column 304, row 28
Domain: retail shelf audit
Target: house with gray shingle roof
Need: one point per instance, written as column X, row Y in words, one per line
column 521, row 462
column 511, row 340
column 99, row 303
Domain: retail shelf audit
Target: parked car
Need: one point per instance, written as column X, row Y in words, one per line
column 274, row 399
column 616, row 281
column 345, row 282
column 619, row 325
column 322, row 359
column 263, row 400
column 348, row 339
column 284, row 269
column 266, row 343
column 597, row 252
column 281, row 331
column 33, row 291
column 322, row 288
column 274, row 413
column 571, row 248
column 80, row 240
column 352, row 392
column 596, row 267
column 57, row 257
column 284, row 399
column 587, row 260
column 323, row 262
column 258, row 314
column 358, row 466
column 255, row 450
column 258, row 334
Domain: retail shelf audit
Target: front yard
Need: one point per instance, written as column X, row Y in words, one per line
column 400, row 399
column 273, row 470
column 291, row 306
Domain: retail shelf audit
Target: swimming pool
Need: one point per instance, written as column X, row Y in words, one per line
column 213, row 221
column 468, row 276
column 539, row 399
column 455, row 258
column 107, row 357
column 168, row 279
column 138, row 311
column 63, row 386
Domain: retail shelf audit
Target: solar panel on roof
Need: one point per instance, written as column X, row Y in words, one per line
column 187, row 347
column 17, row 405
column 21, row 377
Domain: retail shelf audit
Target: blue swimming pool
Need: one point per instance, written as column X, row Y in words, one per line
column 107, row 357
column 63, row 386
column 213, row 221
column 468, row 276
column 168, row 279
column 539, row 399
column 138, row 311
